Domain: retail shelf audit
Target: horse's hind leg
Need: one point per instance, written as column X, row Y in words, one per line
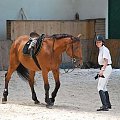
column 57, row 84
column 12, row 67
column 31, row 83
column 7, row 79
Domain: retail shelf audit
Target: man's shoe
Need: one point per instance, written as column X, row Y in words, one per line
column 109, row 107
column 103, row 108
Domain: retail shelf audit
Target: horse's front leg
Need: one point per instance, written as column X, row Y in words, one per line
column 46, row 87
column 31, row 83
column 57, row 84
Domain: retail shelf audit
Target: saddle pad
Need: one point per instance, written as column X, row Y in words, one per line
column 25, row 49
column 38, row 46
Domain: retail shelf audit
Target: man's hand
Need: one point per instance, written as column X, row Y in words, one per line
column 101, row 73
column 97, row 76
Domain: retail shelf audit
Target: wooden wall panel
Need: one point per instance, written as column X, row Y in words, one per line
column 50, row 27
column 100, row 26
column 87, row 28
column 4, row 53
column 89, row 50
column 114, row 47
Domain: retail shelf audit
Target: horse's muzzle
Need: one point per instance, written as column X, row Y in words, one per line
column 77, row 63
column 74, row 60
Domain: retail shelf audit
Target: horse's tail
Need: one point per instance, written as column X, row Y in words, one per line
column 23, row 72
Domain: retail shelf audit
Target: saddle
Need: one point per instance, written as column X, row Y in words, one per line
column 38, row 47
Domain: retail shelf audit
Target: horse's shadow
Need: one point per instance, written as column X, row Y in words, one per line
column 43, row 105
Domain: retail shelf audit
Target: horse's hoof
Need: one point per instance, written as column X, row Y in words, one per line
column 52, row 101
column 4, row 101
column 37, row 102
column 49, row 106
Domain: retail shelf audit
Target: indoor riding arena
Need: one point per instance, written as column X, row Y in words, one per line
column 57, row 86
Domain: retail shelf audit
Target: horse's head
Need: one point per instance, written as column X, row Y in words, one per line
column 74, row 50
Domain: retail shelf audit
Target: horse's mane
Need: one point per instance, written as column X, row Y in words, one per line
column 60, row 36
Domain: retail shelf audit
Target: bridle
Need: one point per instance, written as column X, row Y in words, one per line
column 73, row 59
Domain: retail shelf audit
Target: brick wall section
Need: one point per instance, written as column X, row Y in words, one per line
column 100, row 26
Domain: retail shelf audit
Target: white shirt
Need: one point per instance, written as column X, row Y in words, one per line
column 104, row 53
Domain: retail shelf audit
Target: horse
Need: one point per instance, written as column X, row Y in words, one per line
column 49, row 59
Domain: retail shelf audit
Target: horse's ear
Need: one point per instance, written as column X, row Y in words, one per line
column 79, row 35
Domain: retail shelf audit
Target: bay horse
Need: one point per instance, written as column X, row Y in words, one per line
column 49, row 59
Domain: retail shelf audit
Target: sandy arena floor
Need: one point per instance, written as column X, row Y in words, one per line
column 77, row 98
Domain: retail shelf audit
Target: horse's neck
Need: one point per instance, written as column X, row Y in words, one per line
column 60, row 46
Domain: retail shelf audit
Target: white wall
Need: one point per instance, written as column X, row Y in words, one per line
column 50, row 10
column 90, row 9
column 34, row 10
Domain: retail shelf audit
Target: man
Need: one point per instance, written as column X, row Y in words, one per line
column 104, row 60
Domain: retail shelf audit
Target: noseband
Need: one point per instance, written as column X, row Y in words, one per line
column 74, row 60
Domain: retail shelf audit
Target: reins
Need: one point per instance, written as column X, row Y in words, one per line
column 69, row 70
column 73, row 60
